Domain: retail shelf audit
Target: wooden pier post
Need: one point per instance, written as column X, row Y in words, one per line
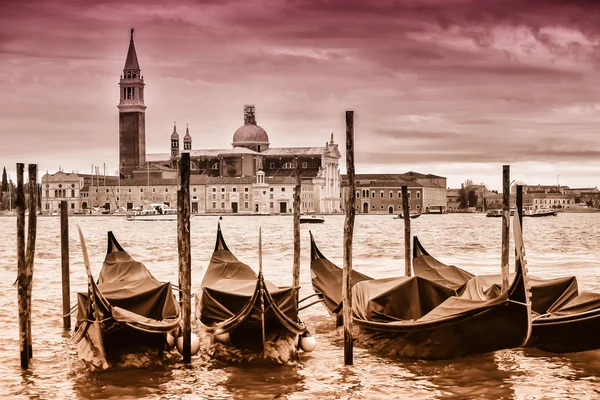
column 406, row 217
column 348, row 235
column 296, row 270
column 22, row 273
column 505, row 224
column 520, row 205
column 183, row 240
column 64, row 255
column 30, row 252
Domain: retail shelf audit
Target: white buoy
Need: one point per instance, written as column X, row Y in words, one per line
column 195, row 344
column 170, row 340
column 308, row 343
column 222, row 337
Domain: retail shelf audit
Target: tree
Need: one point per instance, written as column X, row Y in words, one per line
column 4, row 181
column 462, row 199
column 472, row 198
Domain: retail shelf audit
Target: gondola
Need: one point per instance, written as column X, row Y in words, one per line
column 247, row 317
column 127, row 311
column 418, row 318
column 564, row 320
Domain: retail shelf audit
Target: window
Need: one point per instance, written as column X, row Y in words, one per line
column 381, row 206
column 245, row 189
column 373, row 207
column 264, row 192
column 153, row 190
column 373, row 194
column 129, row 190
column 271, row 196
column 214, row 196
column 72, row 206
column 234, row 189
column 304, row 165
column 194, row 189
column 270, row 189
column 271, row 204
column 215, row 165
column 214, row 204
column 418, row 195
column 222, row 189
column 381, row 194
column 167, row 189
column 245, row 204
column 214, row 189
column 272, row 165
column 283, row 189
column 288, row 165
column 391, row 194
column 141, row 190
column 72, row 192
column 357, row 194
column 245, row 196
column 222, row 204
column 418, row 207
column 222, row 196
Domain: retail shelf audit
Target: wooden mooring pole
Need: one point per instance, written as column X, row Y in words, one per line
column 25, row 259
column 348, row 233
column 505, row 224
column 64, row 255
column 183, row 240
column 406, row 217
column 520, row 205
column 296, row 270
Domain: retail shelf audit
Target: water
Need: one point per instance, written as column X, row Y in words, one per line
column 556, row 246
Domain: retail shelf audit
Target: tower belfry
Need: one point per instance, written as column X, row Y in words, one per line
column 132, row 115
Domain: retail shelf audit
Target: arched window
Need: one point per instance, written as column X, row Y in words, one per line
column 288, row 165
column 272, row 165
column 192, row 166
column 215, row 165
column 304, row 165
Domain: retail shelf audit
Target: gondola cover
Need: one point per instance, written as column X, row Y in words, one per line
column 127, row 305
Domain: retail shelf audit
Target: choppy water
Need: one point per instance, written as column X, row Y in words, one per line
column 567, row 244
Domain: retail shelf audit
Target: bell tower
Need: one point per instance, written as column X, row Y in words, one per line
column 132, row 115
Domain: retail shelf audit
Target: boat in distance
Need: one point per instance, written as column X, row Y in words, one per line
column 418, row 318
column 564, row 320
column 498, row 213
column 312, row 219
column 412, row 216
column 247, row 317
column 127, row 311
column 541, row 212
column 153, row 212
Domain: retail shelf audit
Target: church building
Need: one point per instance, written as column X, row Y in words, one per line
column 250, row 177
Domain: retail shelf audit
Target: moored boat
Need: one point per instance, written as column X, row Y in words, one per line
column 564, row 320
column 247, row 317
column 541, row 212
column 419, row 318
column 127, row 311
column 411, row 216
column 312, row 219
column 153, row 212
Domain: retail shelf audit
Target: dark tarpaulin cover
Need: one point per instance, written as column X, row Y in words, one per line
column 396, row 299
column 229, row 284
column 586, row 301
column 548, row 295
column 327, row 279
column 128, row 285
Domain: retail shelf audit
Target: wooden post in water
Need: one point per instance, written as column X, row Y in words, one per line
column 520, row 205
column 64, row 253
column 24, row 311
column 30, row 252
column 505, row 224
column 348, row 233
column 296, row 270
column 406, row 217
column 183, row 240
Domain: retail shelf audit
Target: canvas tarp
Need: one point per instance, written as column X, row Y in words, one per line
column 547, row 294
column 128, row 285
column 229, row 284
column 586, row 301
column 397, row 299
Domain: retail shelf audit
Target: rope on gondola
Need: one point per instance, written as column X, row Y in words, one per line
column 73, row 309
column 310, row 304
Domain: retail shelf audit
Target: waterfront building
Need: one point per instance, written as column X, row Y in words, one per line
column 382, row 193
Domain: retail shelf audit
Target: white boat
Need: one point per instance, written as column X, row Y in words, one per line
column 154, row 212
column 311, row 219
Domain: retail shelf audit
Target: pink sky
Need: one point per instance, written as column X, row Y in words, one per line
column 451, row 87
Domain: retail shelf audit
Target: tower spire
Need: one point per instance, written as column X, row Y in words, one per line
column 131, row 62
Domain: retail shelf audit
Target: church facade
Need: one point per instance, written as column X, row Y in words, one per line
column 251, row 177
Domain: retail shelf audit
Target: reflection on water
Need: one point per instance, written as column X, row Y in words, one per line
column 557, row 246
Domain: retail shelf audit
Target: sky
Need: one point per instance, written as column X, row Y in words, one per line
column 456, row 88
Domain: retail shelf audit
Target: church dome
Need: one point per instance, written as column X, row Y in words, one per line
column 250, row 135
